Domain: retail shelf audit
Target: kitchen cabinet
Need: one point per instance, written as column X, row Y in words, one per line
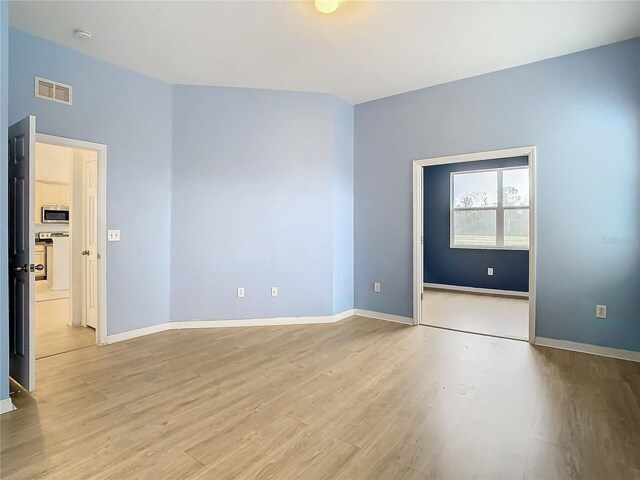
column 40, row 254
column 58, row 263
column 38, row 202
column 49, row 266
column 64, row 195
column 54, row 194
column 40, row 259
column 49, row 193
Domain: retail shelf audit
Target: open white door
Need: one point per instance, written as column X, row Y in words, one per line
column 22, row 252
column 91, row 242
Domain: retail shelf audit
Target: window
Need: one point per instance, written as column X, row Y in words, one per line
column 490, row 209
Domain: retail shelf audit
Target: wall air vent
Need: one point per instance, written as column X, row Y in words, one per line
column 55, row 91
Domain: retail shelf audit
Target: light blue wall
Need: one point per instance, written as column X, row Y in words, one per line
column 131, row 113
column 257, row 179
column 582, row 111
column 262, row 186
column 342, row 207
column 280, row 162
column 4, row 113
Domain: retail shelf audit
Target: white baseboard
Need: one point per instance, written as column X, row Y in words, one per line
column 138, row 332
column 262, row 322
column 252, row 322
column 490, row 291
column 6, row 405
column 588, row 348
column 384, row 316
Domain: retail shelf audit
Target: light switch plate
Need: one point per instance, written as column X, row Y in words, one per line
column 113, row 235
column 376, row 287
column 490, row 271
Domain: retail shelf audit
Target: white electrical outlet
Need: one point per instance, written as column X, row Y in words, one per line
column 113, row 235
column 490, row 271
column 376, row 287
column 240, row 292
column 274, row 291
column 601, row 311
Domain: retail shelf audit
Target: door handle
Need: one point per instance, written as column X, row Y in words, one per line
column 38, row 267
column 85, row 252
column 23, row 268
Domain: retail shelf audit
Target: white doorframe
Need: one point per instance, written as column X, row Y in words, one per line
column 101, row 150
column 418, row 220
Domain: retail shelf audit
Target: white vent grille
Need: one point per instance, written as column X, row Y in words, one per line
column 54, row 91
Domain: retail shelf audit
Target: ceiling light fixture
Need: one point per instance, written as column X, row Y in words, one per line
column 82, row 34
column 327, row 6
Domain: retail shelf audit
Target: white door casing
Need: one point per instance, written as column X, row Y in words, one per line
column 99, row 253
column 418, row 228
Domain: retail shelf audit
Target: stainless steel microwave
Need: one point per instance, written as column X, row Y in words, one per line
column 55, row 214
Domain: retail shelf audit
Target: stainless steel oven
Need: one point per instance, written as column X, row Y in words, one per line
column 55, row 214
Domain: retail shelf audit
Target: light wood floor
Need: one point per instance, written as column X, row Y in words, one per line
column 360, row 399
column 486, row 314
column 45, row 294
column 53, row 335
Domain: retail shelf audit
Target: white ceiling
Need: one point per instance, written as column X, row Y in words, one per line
column 364, row 51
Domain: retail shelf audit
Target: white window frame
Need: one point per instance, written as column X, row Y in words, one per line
column 499, row 209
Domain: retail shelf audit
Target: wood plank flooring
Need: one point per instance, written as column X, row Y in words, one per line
column 360, row 399
column 485, row 314
column 53, row 335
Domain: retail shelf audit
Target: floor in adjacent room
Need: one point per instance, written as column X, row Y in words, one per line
column 359, row 399
column 54, row 335
column 45, row 293
column 494, row 315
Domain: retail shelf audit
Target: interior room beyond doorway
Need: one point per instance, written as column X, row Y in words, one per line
column 476, row 227
column 64, row 222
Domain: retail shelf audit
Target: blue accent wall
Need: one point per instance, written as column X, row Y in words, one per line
column 582, row 112
column 4, row 196
column 262, row 196
column 461, row 266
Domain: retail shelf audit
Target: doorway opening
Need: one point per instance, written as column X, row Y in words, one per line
column 65, row 229
column 474, row 243
column 57, row 247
